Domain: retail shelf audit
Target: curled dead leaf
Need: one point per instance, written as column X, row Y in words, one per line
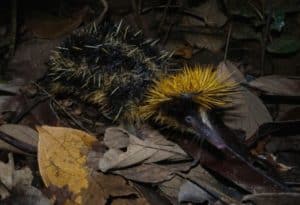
column 153, row 149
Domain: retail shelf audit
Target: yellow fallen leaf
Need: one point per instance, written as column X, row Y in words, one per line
column 62, row 158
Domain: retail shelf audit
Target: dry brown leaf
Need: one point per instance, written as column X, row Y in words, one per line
column 272, row 198
column 228, row 67
column 115, row 138
column 9, row 88
column 28, row 63
column 180, row 48
column 129, row 202
column 10, row 178
column 62, row 157
column 211, row 13
column 102, row 187
column 171, row 188
column 25, row 195
column 21, row 133
column 199, row 176
column 43, row 25
column 248, row 111
column 210, row 42
column 190, row 192
column 277, row 85
column 248, row 114
column 184, row 52
column 153, row 173
column 153, row 149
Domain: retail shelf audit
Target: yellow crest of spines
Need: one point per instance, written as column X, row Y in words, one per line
column 206, row 88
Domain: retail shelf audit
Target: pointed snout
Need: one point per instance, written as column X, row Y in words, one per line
column 204, row 129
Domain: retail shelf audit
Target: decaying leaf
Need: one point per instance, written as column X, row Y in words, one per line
column 129, row 202
column 171, row 188
column 185, row 51
column 242, row 31
column 272, row 198
column 210, row 188
column 190, row 192
column 153, row 149
column 62, row 157
column 9, row 88
column 28, row 63
column 248, row 111
column 228, row 67
column 284, row 45
column 43, row 25
column 277, row 85
column 20, row 133
column 239, row 8
column 10, row 177
column 27, row 195
column 211, row 13
column 153, row 173
column 211, row 42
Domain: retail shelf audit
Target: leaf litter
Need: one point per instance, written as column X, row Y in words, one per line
column 105, row 164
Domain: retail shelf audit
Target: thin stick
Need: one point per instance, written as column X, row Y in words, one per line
column 269, row 11
column 100, row 18
column 25, row 147
column 13, row 31
column 63, row 109
column 140, row 6
column 227, row 42
column 27, row 110
column 164, row 14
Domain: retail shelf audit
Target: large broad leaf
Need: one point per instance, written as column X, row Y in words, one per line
column 248, row 111
column 284, row 46
column 153, row 149
column 62, row 157
column 277, row 85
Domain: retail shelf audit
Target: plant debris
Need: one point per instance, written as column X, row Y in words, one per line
column 100, row 104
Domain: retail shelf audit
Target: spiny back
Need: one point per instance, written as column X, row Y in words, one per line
column 108, row 66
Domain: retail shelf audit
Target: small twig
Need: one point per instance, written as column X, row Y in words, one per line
column 145, row 10
column 13, row 31
column 135, row 7
column 25, row 147
column 140, row 6
column 259, row 14
column 167, row 34
column 227, row 42
column 62, row 108
column 182, row 10
column 163, row 19
column 5, row 187
column 27, row 110
column 171, row 25
column 269, row 11
column 100, row 18
column 196, row 29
